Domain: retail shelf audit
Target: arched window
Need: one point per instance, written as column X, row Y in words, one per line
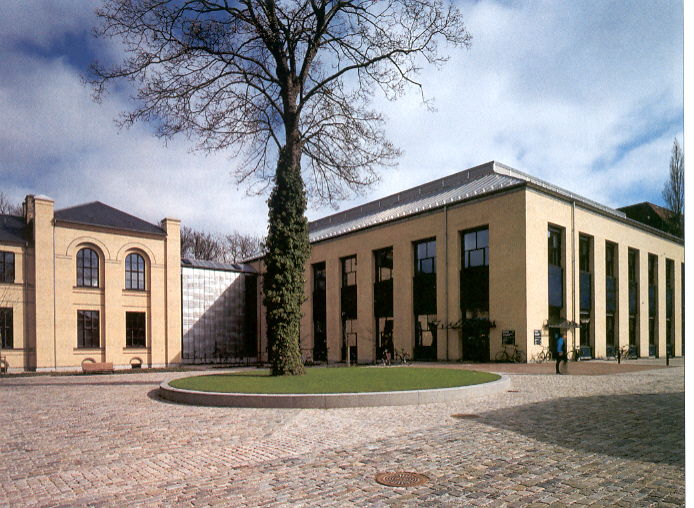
column 87, row 268
column 135, row 272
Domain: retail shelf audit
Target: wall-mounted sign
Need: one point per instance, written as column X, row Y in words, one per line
column 508, row 337
column 537, row 337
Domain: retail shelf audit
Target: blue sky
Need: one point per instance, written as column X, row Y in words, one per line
column 585, row 95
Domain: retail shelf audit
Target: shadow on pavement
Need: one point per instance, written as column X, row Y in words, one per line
column 645, row 427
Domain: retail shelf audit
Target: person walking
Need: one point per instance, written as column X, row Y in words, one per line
column 561, row 350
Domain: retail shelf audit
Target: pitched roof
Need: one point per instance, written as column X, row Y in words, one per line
column 464, row 186
column 13, row 229
column 99, row 214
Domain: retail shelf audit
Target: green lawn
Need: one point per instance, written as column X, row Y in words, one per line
column 336, row 380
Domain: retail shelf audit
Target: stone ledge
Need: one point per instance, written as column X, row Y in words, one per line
column 332, row 400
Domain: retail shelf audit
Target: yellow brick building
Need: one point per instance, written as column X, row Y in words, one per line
column 455, row 268
column 88, row 284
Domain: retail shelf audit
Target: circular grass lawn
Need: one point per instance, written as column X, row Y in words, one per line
column 322, row 380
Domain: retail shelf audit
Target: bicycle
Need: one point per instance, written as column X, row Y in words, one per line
column 543, row 356
column 575, row 354
column 517, row 356
column 385, row 359
column 403, row 357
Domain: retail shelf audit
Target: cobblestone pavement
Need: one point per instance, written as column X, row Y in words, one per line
column 107, row 440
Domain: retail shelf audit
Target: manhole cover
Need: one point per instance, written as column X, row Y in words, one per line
column 401, row 479
column 512, row 391
column 463, row 416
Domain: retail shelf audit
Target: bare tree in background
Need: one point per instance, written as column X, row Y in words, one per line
column 239, row 247
column 279, row 82
column 8, row 208
column 673, row 193
column 230, row 248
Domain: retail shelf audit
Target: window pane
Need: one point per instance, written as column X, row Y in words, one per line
column 427, row 265
column 431, row 249
column 470, row 241
column 483, row 238
column 477, row 257
column 421, row 251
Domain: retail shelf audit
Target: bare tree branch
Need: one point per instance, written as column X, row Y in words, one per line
column 253, row 76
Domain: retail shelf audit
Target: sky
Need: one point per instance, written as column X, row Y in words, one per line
column 585, row 95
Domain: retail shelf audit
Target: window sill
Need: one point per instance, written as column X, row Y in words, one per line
column 88, row 350
column 136, row 349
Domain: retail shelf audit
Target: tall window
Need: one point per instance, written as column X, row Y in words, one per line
column 320, row 345
column 383, row 301
column 633, row 272
column 87, row 268
column 135, row 329
column 88, row 329
column 474, row 274
column 610, row 292
column 424, row 299
column 135, row 272
column 348, row 301
column 652, row 302
column 669, row 307
column 585, row 287
column 6, row 328
column 6, row 266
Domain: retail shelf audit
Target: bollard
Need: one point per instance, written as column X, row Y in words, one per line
column 667, row 357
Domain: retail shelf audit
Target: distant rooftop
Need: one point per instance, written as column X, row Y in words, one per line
column 99, row 214
column 466, row 185
column 13, row 229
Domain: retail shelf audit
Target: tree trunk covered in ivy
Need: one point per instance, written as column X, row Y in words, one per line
column 288, row 251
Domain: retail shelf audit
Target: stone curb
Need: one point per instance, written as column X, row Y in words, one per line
column 332, row 400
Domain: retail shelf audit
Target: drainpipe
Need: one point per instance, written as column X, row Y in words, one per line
column 573, row 269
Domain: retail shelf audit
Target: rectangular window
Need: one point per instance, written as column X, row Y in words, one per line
column 474, row 273
column 585, row 282
column 348, row 291
column 555, row 273
column 6, row 266
column 6, row 328
column 88, row 329
column 135, row 329
column 633, row 273
column 652, row 302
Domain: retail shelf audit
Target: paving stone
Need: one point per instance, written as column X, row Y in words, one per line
column 576, row 440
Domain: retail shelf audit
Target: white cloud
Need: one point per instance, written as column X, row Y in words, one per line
column 582, row 94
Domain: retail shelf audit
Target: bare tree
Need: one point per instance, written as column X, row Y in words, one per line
column 230, row 248
column 238, row 247
column 200, row 245
column 673, row 193
column 8, row 208
column 279, row 81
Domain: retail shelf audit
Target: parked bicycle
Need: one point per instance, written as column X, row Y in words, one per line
column 575, row 354
column 543, row 356
column 385, row 358
column 402, row 357
column 516, row 355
